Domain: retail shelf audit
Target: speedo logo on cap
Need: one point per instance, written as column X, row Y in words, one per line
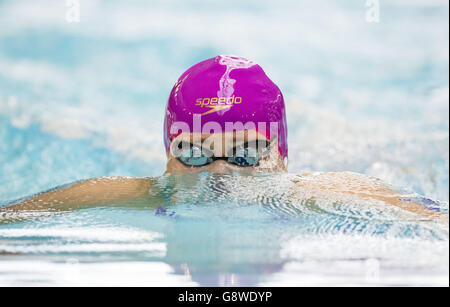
column 217, row 103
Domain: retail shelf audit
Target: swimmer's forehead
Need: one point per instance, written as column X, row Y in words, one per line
column 236, row 137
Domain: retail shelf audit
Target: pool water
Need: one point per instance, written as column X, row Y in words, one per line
column 226, row 230
column 81, row 100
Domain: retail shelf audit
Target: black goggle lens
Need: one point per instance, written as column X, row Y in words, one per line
column 194, row 156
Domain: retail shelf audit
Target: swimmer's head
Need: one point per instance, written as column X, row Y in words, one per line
column 225, row 111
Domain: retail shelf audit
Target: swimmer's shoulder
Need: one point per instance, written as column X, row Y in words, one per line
column 118, row 180
column 344, row 181
column 118, row 185
column 87, row 193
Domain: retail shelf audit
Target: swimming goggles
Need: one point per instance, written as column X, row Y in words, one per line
column 247, row 154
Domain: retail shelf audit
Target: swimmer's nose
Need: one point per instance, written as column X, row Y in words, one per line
column 220, row 167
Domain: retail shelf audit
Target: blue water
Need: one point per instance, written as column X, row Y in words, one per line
column 87, row 99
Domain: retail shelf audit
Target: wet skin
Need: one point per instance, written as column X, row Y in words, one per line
column 121, row 191
column 220, row 144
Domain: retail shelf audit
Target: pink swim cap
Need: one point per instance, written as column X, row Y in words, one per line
column 227, row 89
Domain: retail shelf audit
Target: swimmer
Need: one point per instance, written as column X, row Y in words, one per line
column 225, row 116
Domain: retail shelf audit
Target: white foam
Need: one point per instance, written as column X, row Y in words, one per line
column 358, row 260
column 82, row 240
column 156, row 249
column 97, row 234
column 72, row 273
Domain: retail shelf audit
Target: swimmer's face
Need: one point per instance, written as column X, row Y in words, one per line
column 223, row 153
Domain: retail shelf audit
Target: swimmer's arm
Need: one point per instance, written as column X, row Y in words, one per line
column 86, row 194
column 390, row 196
column 365, row 187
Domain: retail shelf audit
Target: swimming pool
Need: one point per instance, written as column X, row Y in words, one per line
column 87, row 99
